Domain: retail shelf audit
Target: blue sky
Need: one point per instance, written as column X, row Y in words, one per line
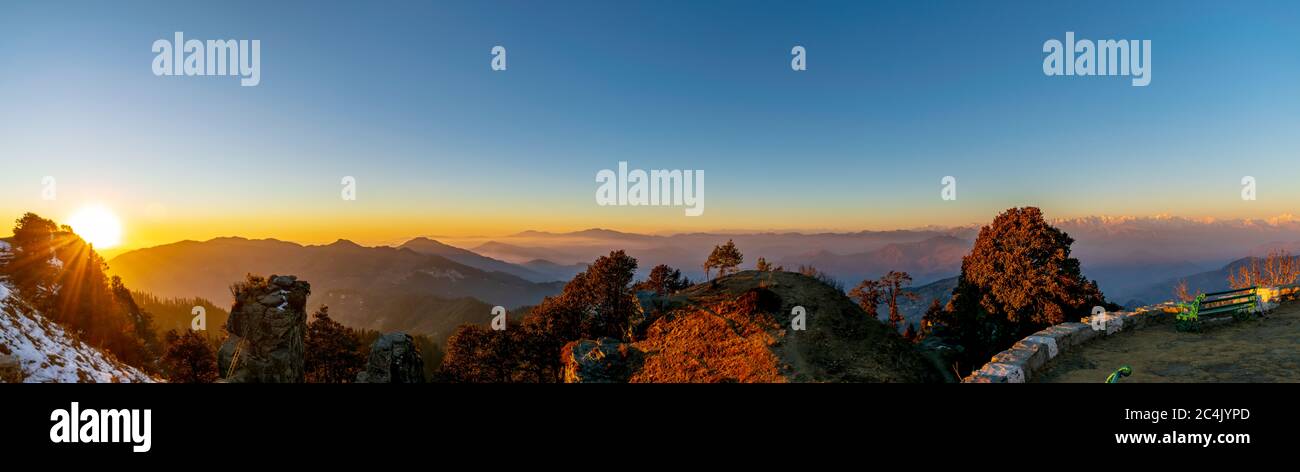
column 401, row 95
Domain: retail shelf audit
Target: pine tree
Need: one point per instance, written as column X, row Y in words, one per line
column 663, row 280
column 726, row 258
column 62, row 277
column 598, row 302
column 932, row 316
column 332, row 353
column 140, row 321
column 604, row 294
column 868, row 294
column 189, row 358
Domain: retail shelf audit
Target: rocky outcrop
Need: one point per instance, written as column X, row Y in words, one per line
column 394, row 358
column 750, row 327
column 267, row 328
column 605, row 360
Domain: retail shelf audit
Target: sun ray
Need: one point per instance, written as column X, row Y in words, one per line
column 97, row 225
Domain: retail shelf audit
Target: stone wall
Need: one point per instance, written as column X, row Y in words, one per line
column 1028, row 356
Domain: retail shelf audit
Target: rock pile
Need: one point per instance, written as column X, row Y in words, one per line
column 267, row 328
column 394, row 358
column 605, row 360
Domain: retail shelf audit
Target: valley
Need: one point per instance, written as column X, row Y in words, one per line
column 430, row 286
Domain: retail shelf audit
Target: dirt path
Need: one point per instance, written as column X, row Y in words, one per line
column 1267, row 350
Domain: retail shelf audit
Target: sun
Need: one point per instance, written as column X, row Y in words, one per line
column 97, row 225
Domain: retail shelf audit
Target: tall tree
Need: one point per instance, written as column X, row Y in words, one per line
column 598, row 302
column 868, row 294
column 726, row 258
column 189, row 359
column 604, row 294
column 478, row 354
column 61, row 276
column 140, row 322
column 663, row 280
column 932, row 316
column 332, row 353
column 30, row 269
column 1018, row 278
column 893, row 284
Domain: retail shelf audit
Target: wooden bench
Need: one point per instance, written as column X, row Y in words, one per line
column 1228, row 302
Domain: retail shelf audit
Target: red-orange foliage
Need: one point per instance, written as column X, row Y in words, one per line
column 1018, row 278
column 728, row 341
column 1278, row 268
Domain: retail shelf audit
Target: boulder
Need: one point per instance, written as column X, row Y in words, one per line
column 267, row 331
column 283, row 281
column 394, row 358
column 271, row 300
column 605, row 360
column 11, row 369
column 995, row 372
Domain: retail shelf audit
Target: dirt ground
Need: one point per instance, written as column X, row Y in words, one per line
column 1267, row 350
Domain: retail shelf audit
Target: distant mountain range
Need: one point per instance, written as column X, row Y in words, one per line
column 1124, row 254
column 390, row 288
column 1127, row 255
column 929, row 253
column 1206, row 282
column 430, row 286
column 926, row 260
column 537, row 270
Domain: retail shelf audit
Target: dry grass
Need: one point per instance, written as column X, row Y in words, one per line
column 1261, row 351
column 737, row 329
column 723, row 342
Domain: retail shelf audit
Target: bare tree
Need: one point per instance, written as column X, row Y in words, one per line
column 1278, row 268
column 1182, row 293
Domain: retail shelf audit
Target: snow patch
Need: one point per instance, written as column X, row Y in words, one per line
column 46, row 353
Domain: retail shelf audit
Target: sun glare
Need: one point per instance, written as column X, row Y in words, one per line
column 97, row 225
